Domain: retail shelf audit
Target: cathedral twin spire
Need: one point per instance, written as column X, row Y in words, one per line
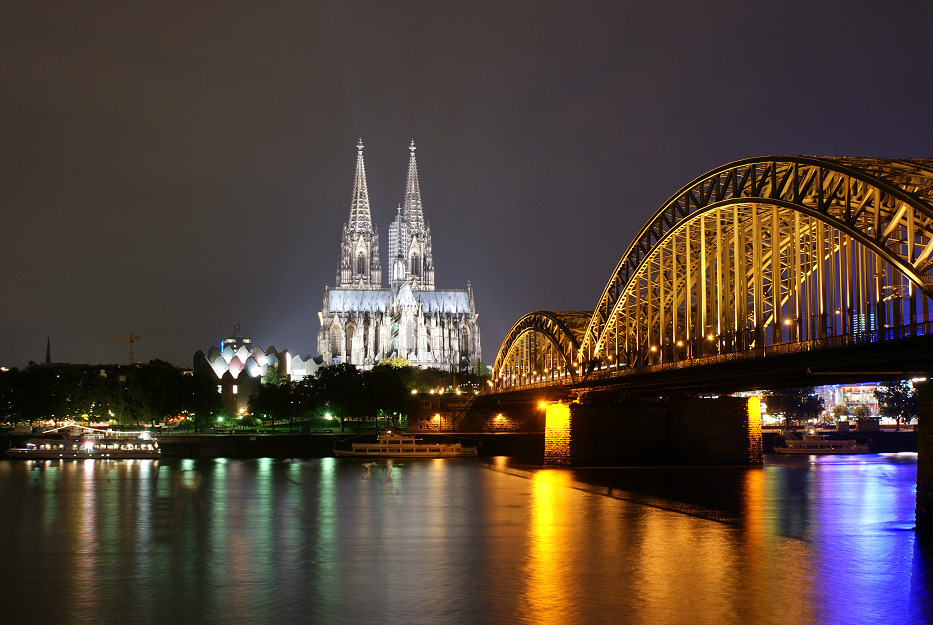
column 360, row 217
column 410, row 253
column 359, row 266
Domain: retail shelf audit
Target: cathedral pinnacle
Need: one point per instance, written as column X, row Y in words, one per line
column 412, row 211
column 359, row 251
column 360, row 215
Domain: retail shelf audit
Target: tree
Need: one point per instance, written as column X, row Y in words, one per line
column 158, row 389
column 385, row 391
column 861, row 411
column 274, row 401
column 840, row 411
column 799, row 404
column 338, row 389
column 897, row 400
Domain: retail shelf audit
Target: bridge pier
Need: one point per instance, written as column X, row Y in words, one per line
column 655, row 432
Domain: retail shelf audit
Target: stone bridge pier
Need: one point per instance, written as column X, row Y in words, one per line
column 632, row 431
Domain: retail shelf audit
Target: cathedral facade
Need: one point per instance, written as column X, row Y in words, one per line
column 363, row 321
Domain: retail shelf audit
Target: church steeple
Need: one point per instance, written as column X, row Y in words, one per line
column 359, row 248
column 410, row 234
column 411, row 204
column 361, row 219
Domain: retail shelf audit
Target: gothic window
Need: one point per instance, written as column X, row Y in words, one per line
column 410, row 342
column 365, row 339
column 464, row 347
column 415, row 266
column 361, row 264
column 350, row 330
column 335, row 341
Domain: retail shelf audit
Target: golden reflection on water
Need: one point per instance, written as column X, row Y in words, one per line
column 645, row 564
column 544, row 597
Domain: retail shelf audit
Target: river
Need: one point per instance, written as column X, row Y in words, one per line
column 826, row 540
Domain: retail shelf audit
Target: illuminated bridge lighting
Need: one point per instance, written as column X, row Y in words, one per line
column 762, row 253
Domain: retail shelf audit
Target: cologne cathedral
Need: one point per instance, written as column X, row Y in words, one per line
column 363, row 321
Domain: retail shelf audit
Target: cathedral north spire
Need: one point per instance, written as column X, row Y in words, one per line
column 361, row 219
column 359, row 266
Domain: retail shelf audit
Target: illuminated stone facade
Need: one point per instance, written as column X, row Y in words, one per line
column 363, row 322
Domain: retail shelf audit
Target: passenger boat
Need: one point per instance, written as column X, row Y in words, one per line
column 820, row 444
column 391, row 445
column 81, row 443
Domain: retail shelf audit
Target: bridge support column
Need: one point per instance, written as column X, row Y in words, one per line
column 673, row 431
column 924, row 512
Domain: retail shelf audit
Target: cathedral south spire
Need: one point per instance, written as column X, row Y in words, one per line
column 359, row 266
column 410, row 235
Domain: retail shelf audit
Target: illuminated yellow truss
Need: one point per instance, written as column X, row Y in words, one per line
column 772, row 250
column 755, row 253
column 541, row 348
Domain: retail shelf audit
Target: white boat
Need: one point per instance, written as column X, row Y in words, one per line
column 391, row 445
column 81, row 443
column 820, row 444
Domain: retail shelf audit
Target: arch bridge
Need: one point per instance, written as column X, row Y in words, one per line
column 763, row 256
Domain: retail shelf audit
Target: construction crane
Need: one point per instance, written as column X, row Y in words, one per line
column 132, row 338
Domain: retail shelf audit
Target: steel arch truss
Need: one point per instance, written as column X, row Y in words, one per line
column 771, row 250
column 540, row 348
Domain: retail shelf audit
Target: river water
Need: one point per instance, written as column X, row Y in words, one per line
column 802, row 540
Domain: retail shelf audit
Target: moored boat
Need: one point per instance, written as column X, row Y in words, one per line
column 820, row 444
column 81, row 443
column 391, row 445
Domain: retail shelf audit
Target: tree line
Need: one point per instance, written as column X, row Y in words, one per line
column 130, row 395
column 158, row 391
column 343, row 392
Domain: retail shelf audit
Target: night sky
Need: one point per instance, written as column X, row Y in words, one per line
column 169, row 168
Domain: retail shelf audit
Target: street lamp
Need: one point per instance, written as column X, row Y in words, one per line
column 328, row 416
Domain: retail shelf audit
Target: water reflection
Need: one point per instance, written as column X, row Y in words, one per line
column 547, row 596
column 341, row 540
